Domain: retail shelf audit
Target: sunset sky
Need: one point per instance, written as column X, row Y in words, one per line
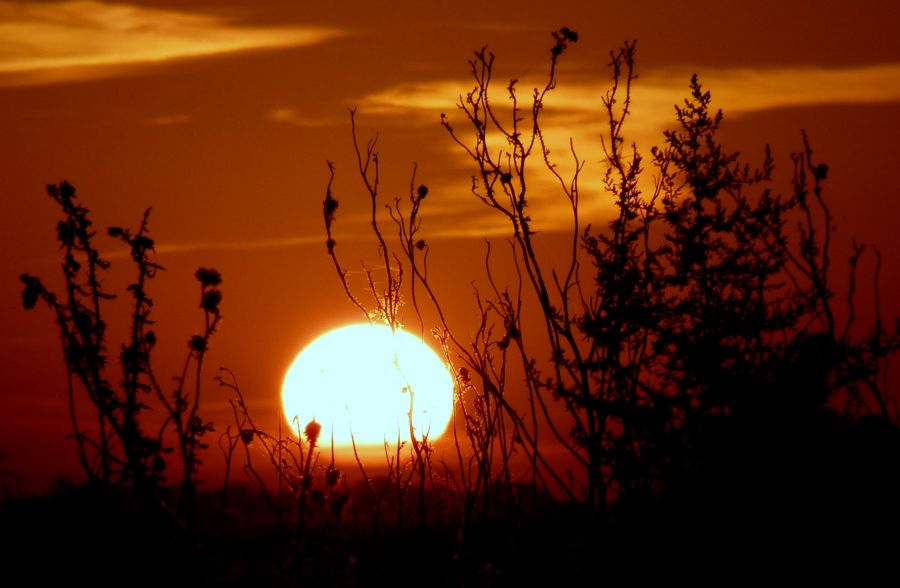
column 221, row 116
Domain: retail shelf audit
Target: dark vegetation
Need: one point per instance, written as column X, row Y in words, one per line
column 690, row 359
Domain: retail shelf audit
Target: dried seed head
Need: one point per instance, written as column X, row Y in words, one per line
column 211, row 299
column 208, row 276
column 197, row 343
column 312, row 431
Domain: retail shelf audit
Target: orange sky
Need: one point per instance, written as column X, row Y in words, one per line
column 221, row 116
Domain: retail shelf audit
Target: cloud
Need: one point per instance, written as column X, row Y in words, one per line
column 737, row 91
column 743, row 91
column 50, row 42
column 425, row 98
column 292, row 117
column 170, row 119
column 574, row 111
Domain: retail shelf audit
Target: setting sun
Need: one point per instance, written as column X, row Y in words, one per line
column 356, row 381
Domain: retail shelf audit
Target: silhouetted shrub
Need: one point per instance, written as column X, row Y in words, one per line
column 118, row 449
column 709, row 305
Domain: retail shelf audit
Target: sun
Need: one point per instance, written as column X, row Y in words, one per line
column 359, row 382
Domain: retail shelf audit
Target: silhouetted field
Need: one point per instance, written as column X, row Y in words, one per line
column 803, row 493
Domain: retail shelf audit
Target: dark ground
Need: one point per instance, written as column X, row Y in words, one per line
column 803, row 498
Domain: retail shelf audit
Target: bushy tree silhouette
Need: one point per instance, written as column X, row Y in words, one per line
column 710, row 299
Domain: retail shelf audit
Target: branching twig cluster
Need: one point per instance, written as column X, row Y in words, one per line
column 706, row 291
column 119, row 448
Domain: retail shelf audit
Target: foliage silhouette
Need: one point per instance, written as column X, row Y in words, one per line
column 707, row 292
column 120, row 450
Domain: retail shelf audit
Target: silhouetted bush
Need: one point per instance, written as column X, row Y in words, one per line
column 118, row 449
column 705, row 323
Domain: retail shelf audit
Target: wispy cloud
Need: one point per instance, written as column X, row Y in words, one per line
column 170, row 119
column 292, row 117
column 424, row 98
column 575, row 112
column 48, row 42
column 738, row 91
column 744, row 91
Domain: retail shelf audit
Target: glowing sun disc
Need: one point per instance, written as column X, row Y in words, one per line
column 356, row 380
